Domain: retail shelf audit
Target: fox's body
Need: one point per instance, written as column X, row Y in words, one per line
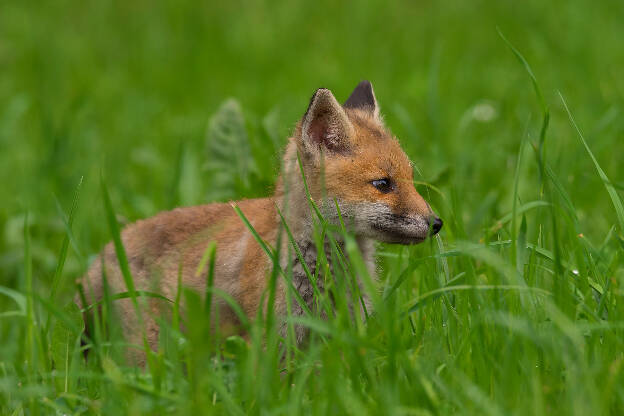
column 348, row 158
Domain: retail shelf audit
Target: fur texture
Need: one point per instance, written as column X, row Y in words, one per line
column 343, row 150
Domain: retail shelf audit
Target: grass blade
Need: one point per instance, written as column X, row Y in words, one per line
column 412, row 307
column 58, row 272
column 265, row 247
column 528, row 69
column 124, row 266
column 617, row 202
column 119, row 249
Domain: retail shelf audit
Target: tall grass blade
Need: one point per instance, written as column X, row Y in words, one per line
column 58, row 272
column 515, row 200
column 124, row 266
column 528, row 69
column 269, row 252
column 119, row 249
column 615, row 199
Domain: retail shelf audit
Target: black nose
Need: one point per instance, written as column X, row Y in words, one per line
column 436, row 226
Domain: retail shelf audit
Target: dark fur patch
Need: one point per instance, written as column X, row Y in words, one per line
column 362, row 97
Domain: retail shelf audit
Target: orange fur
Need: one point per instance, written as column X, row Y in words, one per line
column 342, row 150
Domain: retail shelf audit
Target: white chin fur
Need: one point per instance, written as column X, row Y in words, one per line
column 375, row 220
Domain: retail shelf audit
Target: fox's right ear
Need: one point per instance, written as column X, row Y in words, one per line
column 363, row 98
column 325, row 124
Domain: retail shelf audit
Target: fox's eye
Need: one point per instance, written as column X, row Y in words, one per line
column 383, row 185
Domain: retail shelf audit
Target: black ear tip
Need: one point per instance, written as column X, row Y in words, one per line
column 365, row 85
column 362, row 97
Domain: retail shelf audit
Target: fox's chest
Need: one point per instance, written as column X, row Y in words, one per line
column 314, row 272
column 307, row 274
column 320, row 278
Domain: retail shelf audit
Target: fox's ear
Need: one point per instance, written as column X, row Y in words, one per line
column 363, row 98
column 325, row 124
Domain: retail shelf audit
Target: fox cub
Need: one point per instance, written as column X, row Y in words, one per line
column 349, row 159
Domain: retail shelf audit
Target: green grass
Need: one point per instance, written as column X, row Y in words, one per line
column 516, row 308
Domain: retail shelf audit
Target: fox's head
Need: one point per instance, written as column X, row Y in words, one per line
column 349, row 156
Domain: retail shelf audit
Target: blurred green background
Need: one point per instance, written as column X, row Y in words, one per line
column 127, row 90
column 185, row 102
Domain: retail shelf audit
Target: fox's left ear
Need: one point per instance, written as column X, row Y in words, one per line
column 363, row 98
column 325, row 124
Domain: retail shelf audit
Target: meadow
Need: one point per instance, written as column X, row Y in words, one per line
column 112, row 111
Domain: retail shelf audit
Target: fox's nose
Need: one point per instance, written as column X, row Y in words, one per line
column 436, row 225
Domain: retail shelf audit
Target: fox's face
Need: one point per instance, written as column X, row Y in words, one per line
column 353, row 159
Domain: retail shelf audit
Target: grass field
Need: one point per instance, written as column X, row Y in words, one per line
column 515, row 308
